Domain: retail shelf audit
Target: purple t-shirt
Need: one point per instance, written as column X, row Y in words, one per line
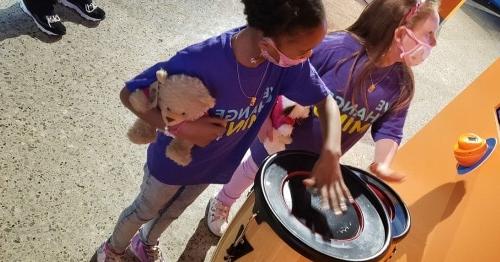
column 356, row 119
column 214, row 63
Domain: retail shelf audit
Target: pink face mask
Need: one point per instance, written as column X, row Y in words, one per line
column 284, row 61
column 417, row 54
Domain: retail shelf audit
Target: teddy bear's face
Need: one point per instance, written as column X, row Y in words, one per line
column 183, row 98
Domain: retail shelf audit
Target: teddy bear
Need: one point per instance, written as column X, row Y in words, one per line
column 179, row 98
column 283, row 117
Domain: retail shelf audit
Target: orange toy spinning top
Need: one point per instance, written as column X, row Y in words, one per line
column 469, row 149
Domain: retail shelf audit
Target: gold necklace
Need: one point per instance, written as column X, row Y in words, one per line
column 374, row 86
column 253, row 99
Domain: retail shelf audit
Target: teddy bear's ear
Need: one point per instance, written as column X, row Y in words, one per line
column 161, row 75
column 139, row 101
column 145, row 100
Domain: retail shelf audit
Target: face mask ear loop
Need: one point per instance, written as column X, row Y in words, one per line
column 414, row 37
column 284, row 61
column 403, row 52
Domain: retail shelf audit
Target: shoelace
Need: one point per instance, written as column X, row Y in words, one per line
column 220, row 211
column 52, row 19
column 153, row 252
column 90, row 7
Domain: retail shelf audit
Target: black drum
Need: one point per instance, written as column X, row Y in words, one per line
column 397, row 211
column 281, row 220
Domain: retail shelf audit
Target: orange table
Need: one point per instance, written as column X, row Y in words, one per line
column 449, row 7
column 454, row 218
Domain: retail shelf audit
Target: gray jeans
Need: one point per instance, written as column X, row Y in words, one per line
column 156, row 206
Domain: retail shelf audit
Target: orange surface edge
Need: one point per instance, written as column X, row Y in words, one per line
column 454, row 217
column 449, row 7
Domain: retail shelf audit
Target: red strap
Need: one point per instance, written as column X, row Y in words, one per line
column 146, row 92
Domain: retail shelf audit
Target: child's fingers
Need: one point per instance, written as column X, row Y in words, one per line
column 393, row 177
column 374, row 168
column 330, row 200
column 346, row 191
column 340, row 197
column 220, row 130
column 218, row 121
column 309, row 182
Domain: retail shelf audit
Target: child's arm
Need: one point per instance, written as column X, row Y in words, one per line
column 199, row 132
column 387, row 133
column 385, row 150
column 153, row 116
column 326, row 175
column 203, row 130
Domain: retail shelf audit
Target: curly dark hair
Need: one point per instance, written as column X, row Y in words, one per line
column 277, row 17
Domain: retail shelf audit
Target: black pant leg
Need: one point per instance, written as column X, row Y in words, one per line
column 40, row 4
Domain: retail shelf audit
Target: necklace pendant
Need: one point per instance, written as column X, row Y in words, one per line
column 253, row 60
column 253, row 100
column 371, row 88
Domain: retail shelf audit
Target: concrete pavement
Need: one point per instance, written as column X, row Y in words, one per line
column 67, row 169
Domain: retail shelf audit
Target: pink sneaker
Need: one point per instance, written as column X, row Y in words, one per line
column 145, row 253
column 106, row 254
column 216, row 215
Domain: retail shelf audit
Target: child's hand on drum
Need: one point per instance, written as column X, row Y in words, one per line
column 327, row 179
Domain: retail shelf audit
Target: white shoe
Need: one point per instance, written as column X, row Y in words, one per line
column 216, row 215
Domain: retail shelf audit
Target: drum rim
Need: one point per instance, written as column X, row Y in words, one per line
column 274, row 219
column 390, row 192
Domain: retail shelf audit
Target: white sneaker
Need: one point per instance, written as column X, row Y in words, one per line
column 216, row 215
